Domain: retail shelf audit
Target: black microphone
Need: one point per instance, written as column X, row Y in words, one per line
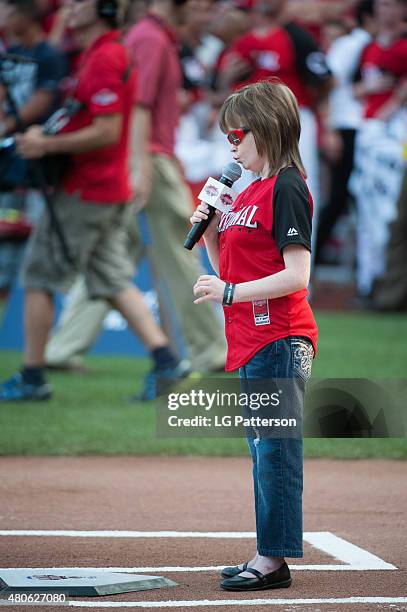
column 230, row 173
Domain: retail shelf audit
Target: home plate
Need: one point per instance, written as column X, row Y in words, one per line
column 84, row 581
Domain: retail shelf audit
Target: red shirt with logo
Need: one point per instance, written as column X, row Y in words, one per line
column 269, row 215
column 379, row 60
column 154, row 47
column 105, row 85
column 288, row 53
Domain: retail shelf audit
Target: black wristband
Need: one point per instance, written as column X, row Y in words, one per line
column 228, row 294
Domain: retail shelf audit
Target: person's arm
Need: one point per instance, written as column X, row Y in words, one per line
column 373, row 85
column 104, row 131
column 105, row 103
column 292, row 224
column 33, row 111
column 58, row 30
column 291, row 211
column 51, row 70
column 295, row 276
column 140, row 155
column 368, row 82
column 395, row 103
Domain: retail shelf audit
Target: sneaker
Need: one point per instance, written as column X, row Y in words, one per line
column 158, row 382
column 15, row 389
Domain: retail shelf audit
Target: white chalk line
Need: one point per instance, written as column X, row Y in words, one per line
column 237, row 602
column 59, row 533
column 183, row 568
column 342, row 550
column 225, row 602
column 354, row 557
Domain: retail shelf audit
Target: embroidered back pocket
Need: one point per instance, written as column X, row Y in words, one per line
column 302, row 354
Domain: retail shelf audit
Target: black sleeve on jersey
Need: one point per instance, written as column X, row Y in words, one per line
column 292, row 218
column 310, row 60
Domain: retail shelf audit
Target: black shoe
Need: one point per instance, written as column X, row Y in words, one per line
column 229, row 572
column 279, row 579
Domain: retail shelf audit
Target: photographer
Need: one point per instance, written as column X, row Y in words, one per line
column 32, row 80
column 91, row 205
column 32, row 85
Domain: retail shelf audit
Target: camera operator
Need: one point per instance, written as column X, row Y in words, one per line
column 32, row 80
column 32, row 85
column 91, row 205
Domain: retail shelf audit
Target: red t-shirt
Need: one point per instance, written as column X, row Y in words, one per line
column 288, row 53
column 315, row 27
column 154, row 48
column 263, row 221
column 105, row 85
column 390, row 60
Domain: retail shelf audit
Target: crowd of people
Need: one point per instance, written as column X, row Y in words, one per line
column 141, row 86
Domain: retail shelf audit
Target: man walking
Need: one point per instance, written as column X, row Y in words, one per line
column 159, row 184
column 91, row 205
column 161, row 189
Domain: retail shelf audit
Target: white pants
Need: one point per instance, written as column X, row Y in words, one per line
column 375, row 183
column 310, row 159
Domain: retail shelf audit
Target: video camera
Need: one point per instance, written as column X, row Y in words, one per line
column 16, row 172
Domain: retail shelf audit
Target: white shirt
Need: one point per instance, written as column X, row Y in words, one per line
column 343, row 59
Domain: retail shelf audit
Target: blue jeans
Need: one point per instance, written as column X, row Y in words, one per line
column 277, row 462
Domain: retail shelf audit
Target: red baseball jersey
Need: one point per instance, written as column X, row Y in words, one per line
column 104, row 85
column 288, row 53
column 390, row 61
column 269, row 215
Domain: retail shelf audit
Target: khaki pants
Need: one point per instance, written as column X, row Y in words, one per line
column 174, row 271
column 96, row 235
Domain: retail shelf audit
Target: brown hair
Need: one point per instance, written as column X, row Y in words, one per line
column 270, row 110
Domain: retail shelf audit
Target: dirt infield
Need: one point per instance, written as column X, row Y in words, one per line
column 362, row 502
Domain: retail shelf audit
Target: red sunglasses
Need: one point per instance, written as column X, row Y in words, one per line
column 235, row 137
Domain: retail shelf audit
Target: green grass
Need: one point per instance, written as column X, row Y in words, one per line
column 91, row 415
column 361, row 345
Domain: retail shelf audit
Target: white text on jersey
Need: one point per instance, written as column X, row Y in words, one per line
column 243, row 218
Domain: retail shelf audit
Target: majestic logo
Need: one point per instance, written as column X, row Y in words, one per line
column 292, row 232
